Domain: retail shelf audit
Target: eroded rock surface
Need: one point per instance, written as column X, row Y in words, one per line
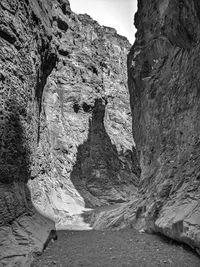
column 87, row 156
column 65, row 123
column 163, row 71
column 66, row 137
column 25, row 53
column 163, row 68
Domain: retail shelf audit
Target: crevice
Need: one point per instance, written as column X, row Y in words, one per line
column 86, row 107
column 7, row 37
column 63, row 52
column 48, row 64
column 100, row 167
column 76, row 107
column 62, row 25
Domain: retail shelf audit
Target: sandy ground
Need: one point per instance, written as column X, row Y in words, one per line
column 110, row 248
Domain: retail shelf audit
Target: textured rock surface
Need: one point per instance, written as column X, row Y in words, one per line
column 26, row 59
column 65, row 125
column 65, row 122
column 163, row 69
column 85, row 145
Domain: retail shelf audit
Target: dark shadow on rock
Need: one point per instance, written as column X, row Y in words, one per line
column 16, row 208
column 14, row 163
column 48, row 63
column 14, row 149
column 101, row 174
column 172, row 242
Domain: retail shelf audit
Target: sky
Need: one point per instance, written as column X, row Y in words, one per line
column 118, row 14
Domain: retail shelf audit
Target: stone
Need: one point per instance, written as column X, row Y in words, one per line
column 69, row 142
column 163, row 75
column 85, row 145
column 166, row 114
column 24, row 46
column 65, row 123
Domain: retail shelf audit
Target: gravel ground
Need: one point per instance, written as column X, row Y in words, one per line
column 110, row 248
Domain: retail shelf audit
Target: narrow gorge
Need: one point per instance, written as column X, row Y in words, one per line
column 96, row 134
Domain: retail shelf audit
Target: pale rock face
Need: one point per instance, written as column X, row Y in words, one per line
column 85, row 131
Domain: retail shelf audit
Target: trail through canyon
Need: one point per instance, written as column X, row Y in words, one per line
column 88, row 121
column 111, row 248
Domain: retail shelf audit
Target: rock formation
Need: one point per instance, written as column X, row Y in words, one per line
column 85, row 154
column 26, row 59
column 163, row 68
column 66, row 134
column 163, row 71
column 66, row 141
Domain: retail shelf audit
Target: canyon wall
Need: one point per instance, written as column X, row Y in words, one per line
column 163, row 68
column 163, row 81
column 85, row 155
column 26, row 58
column 67, row 129
column 65, row 123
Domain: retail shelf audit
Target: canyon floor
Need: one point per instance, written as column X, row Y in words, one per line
column 111, row 248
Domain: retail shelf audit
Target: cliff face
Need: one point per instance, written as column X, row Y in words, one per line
column 26, row 59
column 66, row 138
column 163, row 80
column 85, row 155
column 65, row 124
column 163, row 69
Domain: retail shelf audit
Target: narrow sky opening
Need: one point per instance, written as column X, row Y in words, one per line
column 118, row 14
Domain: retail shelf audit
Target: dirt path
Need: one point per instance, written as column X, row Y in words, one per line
column 115, row 249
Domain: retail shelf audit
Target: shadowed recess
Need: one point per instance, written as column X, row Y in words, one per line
column 100, row 171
